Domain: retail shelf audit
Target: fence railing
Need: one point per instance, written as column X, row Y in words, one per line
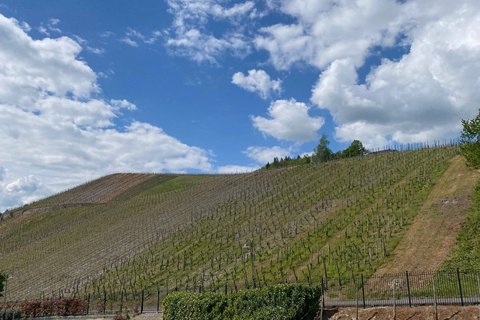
column 427, row 288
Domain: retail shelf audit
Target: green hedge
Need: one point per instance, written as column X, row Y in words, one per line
column 283, row 302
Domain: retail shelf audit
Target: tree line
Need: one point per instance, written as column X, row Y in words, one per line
column 321, row 153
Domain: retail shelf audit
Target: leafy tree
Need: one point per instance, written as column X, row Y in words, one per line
column 355, row 149
column 470, row 143
column 322, row 153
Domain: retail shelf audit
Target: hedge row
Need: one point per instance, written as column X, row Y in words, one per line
column 282, row 302
column 44, row 308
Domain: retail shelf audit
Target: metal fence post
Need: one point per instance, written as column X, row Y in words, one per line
column 104, row 302
column 408, row 290
column 88, row 303
column 460, row 286
column 363, row 291
column 141, row 301
column 435, row 308
column 158, row 300
column 121, row 301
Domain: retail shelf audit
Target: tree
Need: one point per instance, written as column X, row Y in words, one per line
column 355, row 149
column 322, row 153
column 470, row 141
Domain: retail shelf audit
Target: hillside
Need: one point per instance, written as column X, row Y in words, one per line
column 128, row 232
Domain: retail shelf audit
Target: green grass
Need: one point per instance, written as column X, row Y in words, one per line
column 176, row 183
column 466, row 254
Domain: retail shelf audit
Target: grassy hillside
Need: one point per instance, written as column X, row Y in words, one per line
column 302, row 223
column 467, row 252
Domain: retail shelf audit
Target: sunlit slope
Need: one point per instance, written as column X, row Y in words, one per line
column 335, row 219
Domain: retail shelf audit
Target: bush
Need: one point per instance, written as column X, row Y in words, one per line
column 470, row 143
column 283, row 302
column 60, row 307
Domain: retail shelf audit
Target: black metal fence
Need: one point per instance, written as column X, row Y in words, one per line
column 427, row 288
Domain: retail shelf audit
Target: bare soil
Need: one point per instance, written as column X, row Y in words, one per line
column 432, row 235
column 406, row 313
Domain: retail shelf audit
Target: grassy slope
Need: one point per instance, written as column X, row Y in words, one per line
column 432, row 235
column 466, row 254
column 342, row 217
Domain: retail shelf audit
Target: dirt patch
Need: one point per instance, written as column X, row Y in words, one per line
column 433, row 232
column 406, row 313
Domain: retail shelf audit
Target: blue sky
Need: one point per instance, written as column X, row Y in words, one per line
column 95, row 87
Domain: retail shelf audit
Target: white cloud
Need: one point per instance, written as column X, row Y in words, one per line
column 130, row 42
column 45, row 28
column 421, row 97
column 328, row 30
column 239, row 9
column 257, row 81
column 59, row 132
column 190, row 37
column 133, row 37
column 25, row 184
column 123, row 104
column 289, row 120
column 202, row 47
column 84, row 43
column 263, row 155
column 236, row 169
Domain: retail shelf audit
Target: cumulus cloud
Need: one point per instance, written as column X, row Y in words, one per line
column 58, row 130
column 263, row 155
column 421, row 97
column 289, row 120
column 189, row 35
column 328, row 30
column 257, row 81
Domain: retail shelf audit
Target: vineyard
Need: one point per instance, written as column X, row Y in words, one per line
column 126, row 233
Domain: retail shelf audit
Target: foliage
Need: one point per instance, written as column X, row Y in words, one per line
column 322, row 153
column 58, row 307
column 287, row 162
column 470, row 141
column 275, row 302
column 354, row 150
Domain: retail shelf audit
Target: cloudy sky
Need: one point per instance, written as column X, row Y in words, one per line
column 92, row 87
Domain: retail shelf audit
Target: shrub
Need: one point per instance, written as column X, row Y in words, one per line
column 283, row 302
column 470, row 146
column 59, row 307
